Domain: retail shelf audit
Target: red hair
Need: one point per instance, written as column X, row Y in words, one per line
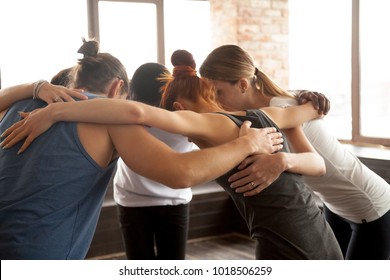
column 184, row 82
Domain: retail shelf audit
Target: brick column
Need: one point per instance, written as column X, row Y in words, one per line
column 260, row 27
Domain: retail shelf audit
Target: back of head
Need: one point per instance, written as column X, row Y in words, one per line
column 184, row 82
column 230, row 63
column 146, row 85
column 62, row 77
column 95, row 71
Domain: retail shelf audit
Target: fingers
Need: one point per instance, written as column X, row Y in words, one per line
column 53, row 93
column 277, row 141
column 70, row 96
column 252, row 188
column 256, row 190
column 246, row 162
column 271, row 130
column 320, row 102
column 245, row 128
column 12, row 138
column 326, row 106
column 14, row 134
column 76, row 93
column 26, row 144
column 11, row 129
column 24, row 115
column 277, row 148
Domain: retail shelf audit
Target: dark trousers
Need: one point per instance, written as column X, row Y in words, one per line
column 155, row 232
column 366, row 241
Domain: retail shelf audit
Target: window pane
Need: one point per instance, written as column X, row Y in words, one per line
column 375, row 61
column 35, row 43
column 188, row 29
column 129, row 32
column 320, row 56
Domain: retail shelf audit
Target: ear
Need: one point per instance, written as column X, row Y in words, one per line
column 243, row 85
column 115, row 89
column 178, row 106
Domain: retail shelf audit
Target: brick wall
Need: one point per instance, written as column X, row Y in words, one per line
column 258, row 26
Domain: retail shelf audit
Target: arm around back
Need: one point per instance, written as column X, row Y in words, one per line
column 151, row 158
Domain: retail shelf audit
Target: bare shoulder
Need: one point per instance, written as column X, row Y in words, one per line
column 97, row 142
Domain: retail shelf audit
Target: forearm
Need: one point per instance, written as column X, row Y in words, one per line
column 10, row 95
column 308, row 164
column 139, row 149
column 207, row 164
column 99, row 110
column 115, row 111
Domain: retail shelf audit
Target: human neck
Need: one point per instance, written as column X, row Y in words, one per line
column 260, row 100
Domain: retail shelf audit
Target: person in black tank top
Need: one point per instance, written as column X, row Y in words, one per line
column 283, row 219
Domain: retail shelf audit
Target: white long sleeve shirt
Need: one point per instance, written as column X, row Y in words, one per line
column 349, row 188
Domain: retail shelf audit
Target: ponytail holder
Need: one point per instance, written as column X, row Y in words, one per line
column 256, row 71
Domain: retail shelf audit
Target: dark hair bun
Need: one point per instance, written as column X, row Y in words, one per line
column 89, row 48
column 183, row 57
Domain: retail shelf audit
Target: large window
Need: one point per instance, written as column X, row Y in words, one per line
column 341, row 50
column 374, row 68
column 39, row 38
column 140, row 31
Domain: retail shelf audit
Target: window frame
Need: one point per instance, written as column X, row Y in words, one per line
column 93, row 22
column 357, row 137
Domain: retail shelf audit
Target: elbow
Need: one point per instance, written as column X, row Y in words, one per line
column 322, row 167
column 322, row 172
column 184, row 178
column 183, row 181
column 135, row 114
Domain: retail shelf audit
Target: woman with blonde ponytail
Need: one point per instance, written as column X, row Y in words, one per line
column 356, row 201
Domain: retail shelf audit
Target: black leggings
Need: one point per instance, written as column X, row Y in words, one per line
column 366, row 241
column 155, row 232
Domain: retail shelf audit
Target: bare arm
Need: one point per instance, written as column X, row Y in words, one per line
column 203, row 126
column 46, row 92
column 263, row 169
column 303, row 158
column 259, row 171
column 320, row 102
column 10, row 95
column 180, row 170
column 291, row 116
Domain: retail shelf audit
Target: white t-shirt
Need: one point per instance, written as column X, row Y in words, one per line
column 349, row 188
column 133, row 190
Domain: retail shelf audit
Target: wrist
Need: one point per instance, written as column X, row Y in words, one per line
column 52, row 112
column 37, row 87
column 284, row 160
column 253, row 147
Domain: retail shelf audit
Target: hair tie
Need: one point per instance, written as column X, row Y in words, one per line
column 256, row 71
column 182, row 71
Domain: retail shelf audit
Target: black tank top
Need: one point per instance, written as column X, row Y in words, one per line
column 284, row 218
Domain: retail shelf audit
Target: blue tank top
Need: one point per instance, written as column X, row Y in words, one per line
column 50, row 195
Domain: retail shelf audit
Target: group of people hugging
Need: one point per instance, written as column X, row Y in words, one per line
column 269, row 148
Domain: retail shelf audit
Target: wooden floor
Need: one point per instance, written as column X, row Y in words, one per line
column 224, row 247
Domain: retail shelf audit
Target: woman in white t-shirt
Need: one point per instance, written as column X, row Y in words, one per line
column 356, row 200
column 153, row 218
